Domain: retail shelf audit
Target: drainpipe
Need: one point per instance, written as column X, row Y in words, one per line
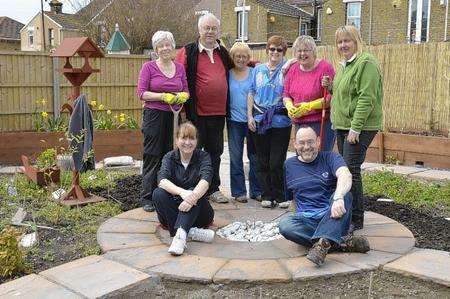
column 370, row 21
column 243, row 21
column 446, row 22
column 43, row 28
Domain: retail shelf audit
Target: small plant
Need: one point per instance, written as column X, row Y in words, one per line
column 46, row 159
column 104, row 119
column 390, row 159
column 42, row 122
column 12, row 260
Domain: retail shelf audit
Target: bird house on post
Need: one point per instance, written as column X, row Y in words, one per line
column 85, row 48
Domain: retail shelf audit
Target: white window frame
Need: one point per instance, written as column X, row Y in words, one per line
column 242, row 31
column 30, row 36
column 347, row 18
column 319, row 24
column 419, row 10
column 51, row 36
column 302, row 23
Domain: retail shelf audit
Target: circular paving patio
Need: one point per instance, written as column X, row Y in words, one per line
column 135, row 238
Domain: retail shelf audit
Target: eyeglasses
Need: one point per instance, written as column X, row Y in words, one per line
column 310, row 142
column 279, row 50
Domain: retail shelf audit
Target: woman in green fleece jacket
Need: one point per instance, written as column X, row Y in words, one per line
column 356, row 112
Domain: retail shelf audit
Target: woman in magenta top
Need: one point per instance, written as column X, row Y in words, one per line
column 303, row 92
column 162, row 84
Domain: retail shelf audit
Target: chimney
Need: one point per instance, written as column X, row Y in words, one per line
column 55, row 6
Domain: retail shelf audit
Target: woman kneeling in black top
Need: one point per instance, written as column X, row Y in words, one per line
column 180, row 199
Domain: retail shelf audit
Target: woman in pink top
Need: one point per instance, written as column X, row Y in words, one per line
column 162, row 83
column 303, row 92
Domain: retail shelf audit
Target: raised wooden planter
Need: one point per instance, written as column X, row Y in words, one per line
column 106, row 144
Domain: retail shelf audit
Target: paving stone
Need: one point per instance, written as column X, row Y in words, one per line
column 123, row 225
column 371, row 218
column 290, row 248
column 141, row 258
column 95, row 276
column 429, row 264
column 189, row 268
column 220, row 220
column 301, row 268
column 236, row 250
column 385, row 230
column 113, row 241
column 391, row 244
column 252, row 271
column 367, row 165
column 34, row 287
column 139, row 214
column 364, row 261
column 265, row 215
column 432, row 175
column 223, row 206
column 405, row 170
column 10, row 169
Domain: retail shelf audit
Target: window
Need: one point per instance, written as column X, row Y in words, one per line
column 319, row 23
column 30, row 36
column 51, row 37
column 354, row 14
column 418, row 21
column 242, row 21
column 303, row 28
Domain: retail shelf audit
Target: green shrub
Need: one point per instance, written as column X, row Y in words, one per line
column 12, row 260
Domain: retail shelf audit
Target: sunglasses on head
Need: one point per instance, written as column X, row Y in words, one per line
column 279, row 50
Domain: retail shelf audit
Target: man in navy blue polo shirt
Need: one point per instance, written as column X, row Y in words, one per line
column 319, row 183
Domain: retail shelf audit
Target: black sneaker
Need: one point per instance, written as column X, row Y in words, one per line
column 319, row 251
column 149, row 207
column 356, row 244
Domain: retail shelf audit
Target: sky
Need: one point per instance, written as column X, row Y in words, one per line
column 24, row 10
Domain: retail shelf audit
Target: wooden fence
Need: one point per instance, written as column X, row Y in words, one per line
column 416, row 86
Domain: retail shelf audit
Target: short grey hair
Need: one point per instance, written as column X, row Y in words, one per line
column 305, row 40
column 159, row 36
column 207, row 16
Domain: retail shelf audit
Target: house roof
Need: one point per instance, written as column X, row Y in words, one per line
column 9, row 28
column 117, row 43
column 281, row 7
column 66, row 21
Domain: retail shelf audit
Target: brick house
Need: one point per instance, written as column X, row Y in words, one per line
column 383, row 21
column 9, row 34
column 262, row 19
column 57, row 26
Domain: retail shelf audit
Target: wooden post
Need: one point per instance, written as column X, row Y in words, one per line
column 380, row 147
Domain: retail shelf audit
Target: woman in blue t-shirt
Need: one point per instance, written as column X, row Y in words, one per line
column 269, row 123
column 239, row 85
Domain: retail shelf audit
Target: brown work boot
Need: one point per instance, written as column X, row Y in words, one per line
column 319, row 251
column 356, row 244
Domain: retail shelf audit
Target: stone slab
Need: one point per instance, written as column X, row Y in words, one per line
column 114, row 241
column 141, row 258
column 189, row 268
column 391, row 244
column 223, row 206
column 265, row 215
column 405, row 170
column 385, row 230
column 428, row 264
column 95, row 276
column 290, row 248
column 367, row 165
column 371, row 218
column 139, row 214
column 373, row 167
column 364, row 261
column 123, row 225
column 34, row 287
column 301, row 268
column 432, row 175
column 10, row 169
column 252, row 271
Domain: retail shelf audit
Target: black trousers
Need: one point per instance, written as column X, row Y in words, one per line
column 354, row 155
column 200, row 215
column 157, row 128
column 271, row 149
column 210, row 130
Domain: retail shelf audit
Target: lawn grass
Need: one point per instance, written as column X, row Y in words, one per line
column 404, row 190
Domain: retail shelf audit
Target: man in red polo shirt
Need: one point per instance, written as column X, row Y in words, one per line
column 207, row 64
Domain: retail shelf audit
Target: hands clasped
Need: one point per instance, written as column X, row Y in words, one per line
column 177, row 98
column 189, row 197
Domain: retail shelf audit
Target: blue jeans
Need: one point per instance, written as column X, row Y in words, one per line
column 329, row 136
column 237, row 132
column 307, row 231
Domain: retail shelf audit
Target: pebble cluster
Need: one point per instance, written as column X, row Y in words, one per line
column 250, row 231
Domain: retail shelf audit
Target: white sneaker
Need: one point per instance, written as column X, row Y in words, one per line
column 177, row 247
column 201, row 234
column 266, row 204
column 284, row 204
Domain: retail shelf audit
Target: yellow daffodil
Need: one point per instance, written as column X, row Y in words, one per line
column 44, row 114
column 108, row 111
column 44, row 101
column 101, row 107
column 38, row 101
column 121, row 119
column 116, row 116
column 93, row 103
column 122, row 115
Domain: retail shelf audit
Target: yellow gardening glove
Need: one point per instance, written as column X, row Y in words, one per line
column 182, row 97
column 315, row 105
column 290, row 108
column 301, row 110
column 169, row 98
